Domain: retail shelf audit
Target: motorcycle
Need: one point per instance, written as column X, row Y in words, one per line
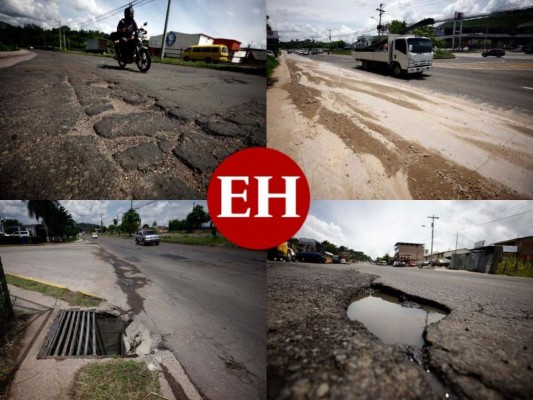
column 138, row 54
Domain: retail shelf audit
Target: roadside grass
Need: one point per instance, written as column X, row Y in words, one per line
column 11, row 334
column 198, row 240
column 72, row 298
column 344, row 52
column 271, row 65
column 443, row 54
column 7, row 47
column 118, row 380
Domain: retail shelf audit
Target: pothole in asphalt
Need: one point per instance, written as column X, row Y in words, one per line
column 393, row 319
column 84, row 333
column 399, row 319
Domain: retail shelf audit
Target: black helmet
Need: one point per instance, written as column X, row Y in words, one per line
column 128, row 13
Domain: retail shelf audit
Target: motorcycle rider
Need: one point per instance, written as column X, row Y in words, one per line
column 126, row 31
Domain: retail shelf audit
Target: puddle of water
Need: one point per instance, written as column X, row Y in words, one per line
column 392, row 321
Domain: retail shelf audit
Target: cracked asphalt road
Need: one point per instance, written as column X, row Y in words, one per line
column 74, row 126
column 482, row 349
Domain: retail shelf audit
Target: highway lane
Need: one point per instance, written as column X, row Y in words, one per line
column 505, row 82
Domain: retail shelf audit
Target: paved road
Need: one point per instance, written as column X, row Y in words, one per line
column 210, row 307
column 506, row 82
column 207, row 303
column 482, row 349
column 77, row 126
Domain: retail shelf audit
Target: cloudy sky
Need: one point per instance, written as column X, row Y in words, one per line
column 243, row 20
column 89, row 210
column 375, row 226
column 347, row 19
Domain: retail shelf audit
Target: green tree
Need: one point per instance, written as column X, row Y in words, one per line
column 11, row 222
column 396, row 26
column 429, row 32
column 131, row 221
column 196, row 217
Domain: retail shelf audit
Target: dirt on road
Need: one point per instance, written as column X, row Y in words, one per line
column 358, row 136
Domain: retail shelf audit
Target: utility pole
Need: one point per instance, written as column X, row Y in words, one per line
column 165, row 32
column 329, row 30
column 101, row 222
column 381, row 11
column 59, row 35
column 433, row 218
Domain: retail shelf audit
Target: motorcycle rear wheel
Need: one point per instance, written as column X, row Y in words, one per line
column 143, row 61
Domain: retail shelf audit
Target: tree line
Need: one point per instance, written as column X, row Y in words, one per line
column 31, row 35
column 59, row 224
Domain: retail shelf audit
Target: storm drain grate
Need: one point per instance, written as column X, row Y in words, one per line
column 83, row 333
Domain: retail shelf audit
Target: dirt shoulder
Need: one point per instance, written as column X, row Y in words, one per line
column 358, row 137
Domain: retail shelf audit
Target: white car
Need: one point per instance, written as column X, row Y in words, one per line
column 95, row 235
column 21, row 234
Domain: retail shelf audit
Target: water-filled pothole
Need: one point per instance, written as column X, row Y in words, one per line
column 394, row 320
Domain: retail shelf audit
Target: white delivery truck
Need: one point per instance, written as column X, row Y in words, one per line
column 402, row 54
column 96, row 46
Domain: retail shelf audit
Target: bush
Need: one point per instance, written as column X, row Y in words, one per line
column 515, row 266
column 443, row 54
column 271, row 65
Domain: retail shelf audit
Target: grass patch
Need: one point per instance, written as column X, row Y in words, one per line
column 199, row 240
column 117, row 379
column 8, row 47
column 271, row 65
column 443, row 54
column 72, row 298
column 11, row 334
column 344, row 52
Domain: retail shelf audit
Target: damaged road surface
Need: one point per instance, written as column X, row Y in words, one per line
column 358, row 135
column 207, row 306
column 74, row 126
column 480, row 349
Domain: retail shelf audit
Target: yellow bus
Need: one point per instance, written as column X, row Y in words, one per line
column 209, row 53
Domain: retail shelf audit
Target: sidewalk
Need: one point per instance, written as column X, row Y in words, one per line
column 53, row 378
column 9, row 58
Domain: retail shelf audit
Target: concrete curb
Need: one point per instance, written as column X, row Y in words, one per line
column 18, row 53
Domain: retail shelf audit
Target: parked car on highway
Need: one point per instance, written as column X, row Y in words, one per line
column 147, row 237
column 493, row 52
column 95, row 235
column 311, row 257
column 21, row 234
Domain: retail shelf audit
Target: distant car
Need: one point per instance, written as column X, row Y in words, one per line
column 493, row 52
column 311, row 257
column 21, row 234
column 95, row 235
column 147, row 237
column 270, row 53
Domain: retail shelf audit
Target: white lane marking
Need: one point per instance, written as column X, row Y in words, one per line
column 525, row 87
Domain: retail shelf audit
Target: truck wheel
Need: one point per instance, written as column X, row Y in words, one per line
column 396, row 70
column 366, row 65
